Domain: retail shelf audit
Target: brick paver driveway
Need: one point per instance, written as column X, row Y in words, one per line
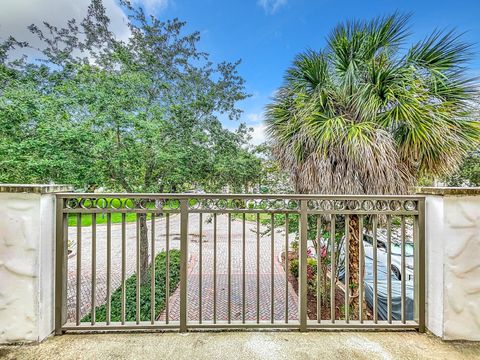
column 236, row 273
column 193, row 275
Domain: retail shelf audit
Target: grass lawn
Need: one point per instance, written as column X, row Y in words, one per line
column 102, row 218
column 131, row 287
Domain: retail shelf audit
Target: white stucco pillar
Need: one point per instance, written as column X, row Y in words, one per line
column 27, row 254
column 452, row 231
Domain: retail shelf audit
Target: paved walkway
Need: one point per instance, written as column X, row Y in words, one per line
column 101, row 259
column 246, row 345
column 279, row 288
column 193, row 278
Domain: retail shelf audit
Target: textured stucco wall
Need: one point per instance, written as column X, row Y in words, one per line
column 434, row 263
column 20, row 233
column 462, row 268
column 453, row 266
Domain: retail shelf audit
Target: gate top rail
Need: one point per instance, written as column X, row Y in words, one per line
column 70, row 195
column 240, row 203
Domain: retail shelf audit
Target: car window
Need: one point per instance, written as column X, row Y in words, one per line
column 397, row 249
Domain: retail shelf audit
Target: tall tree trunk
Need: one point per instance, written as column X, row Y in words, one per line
column 354, row 266
column 142, row 223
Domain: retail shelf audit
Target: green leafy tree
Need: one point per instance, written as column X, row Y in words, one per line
column 139, row 115
column 468, row 174
column 364, row 117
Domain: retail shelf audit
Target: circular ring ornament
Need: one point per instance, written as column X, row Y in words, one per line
column 129, row 203
column 381, row 205
column 174, row 204
column 312, row 204
column 367, row 205
column 395, row 205
column 143, row 203
column 238, row 204
column 326, row 205
column 222, row 204
column 251, row 204
column 339, row 204
column 101, row 203
column 86, row 203
column 194, row 203
column 72, row 203
column 278, row 204
column 206, row 204
column 353, row 205
column 116, row 203
column 410, row 205
column 263, row 204
column 292, row 204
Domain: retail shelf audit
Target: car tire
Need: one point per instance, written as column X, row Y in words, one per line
column 396, row 272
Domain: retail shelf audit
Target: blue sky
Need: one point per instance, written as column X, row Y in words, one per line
column 267, row 34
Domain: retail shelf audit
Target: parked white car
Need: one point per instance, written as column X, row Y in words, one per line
column 396, row 258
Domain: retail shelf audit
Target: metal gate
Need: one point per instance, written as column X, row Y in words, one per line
column 207, row 261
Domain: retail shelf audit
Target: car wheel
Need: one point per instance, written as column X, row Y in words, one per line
column 396, row 272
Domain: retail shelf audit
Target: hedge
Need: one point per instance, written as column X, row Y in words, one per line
column 131, row 292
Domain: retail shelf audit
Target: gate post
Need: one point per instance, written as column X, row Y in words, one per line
column 303, row 266
column 419, row 258
column 61, row 253
column 27, row 253
column 183, row 263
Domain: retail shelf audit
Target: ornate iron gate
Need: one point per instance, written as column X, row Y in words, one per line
column 194, row 261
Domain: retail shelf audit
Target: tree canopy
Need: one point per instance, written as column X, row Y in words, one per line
column 364, row 116
column 140, row 114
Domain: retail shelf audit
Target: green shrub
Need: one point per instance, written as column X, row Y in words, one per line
column 294, row 267
column 131, row 292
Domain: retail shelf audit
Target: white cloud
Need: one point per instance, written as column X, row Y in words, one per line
column 255, row 122
column 255, row 117
column 16, row 15
column 258, row 134
column 271, row 6
column 152, row 6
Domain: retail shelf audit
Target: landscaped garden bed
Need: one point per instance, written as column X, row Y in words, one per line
column 145, row 291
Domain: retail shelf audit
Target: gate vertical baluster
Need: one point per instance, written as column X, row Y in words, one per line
column 215, row 268
column 375, row 270
column 109, row 267
column 183, row 263
column 137, row 306
column 389, row 269
column 419, row 266
column 94, row 267
column 200, row 267
column 78, row 313
column 272, row 269
column 404, row 273
column 286, row 268
column 167, row 268
column 319, row 263
column 243, row 270
column 152, row 272
column 333, row 270
column 229, row 269
column 124, row 267
column 360, row 268
column 347, row 269
column 61, row 248
column 303, row 266
column 258, row 268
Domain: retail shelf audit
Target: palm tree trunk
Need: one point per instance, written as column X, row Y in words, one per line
column 355, row 267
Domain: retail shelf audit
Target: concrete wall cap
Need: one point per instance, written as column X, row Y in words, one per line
column 449, row 191
column 34, row 188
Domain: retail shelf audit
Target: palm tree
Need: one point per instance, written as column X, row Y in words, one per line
column 366, row 116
